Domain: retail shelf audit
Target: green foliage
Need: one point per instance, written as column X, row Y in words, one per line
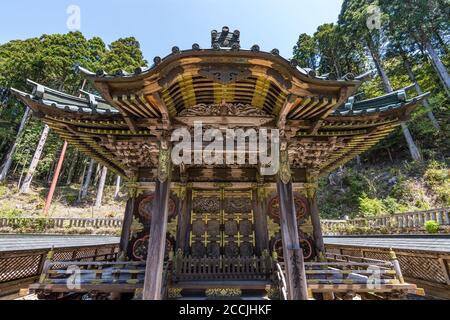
column 329, row 51
column 371, row 207
column 3, row 191
column 377, row 190
column 51, row 60
column 305, row 51
column 438, row 179
column 124, row 54
column 432, row 227
column 10, row 213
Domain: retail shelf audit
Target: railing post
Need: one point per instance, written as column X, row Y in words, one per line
column 396, row 265
column 178, row 261
column 47, row 265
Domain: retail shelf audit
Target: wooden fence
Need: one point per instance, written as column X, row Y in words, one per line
column 44, row 224
column 19, row 267
column 420, row 267
column 222, row 268
column 395, row 221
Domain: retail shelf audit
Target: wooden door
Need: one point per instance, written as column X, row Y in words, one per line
column 222, row 224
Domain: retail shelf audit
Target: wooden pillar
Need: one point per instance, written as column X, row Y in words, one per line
column 56, row 174
column 184, row 218
column 315, row 219
column 260, row 216
column 293, row 254
column 157, row 241
column 126, row 225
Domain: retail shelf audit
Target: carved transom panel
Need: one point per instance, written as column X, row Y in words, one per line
column 224, row 109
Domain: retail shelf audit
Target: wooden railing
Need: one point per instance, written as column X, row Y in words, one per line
column 72, row 273
column 24, row 266
column 60, row 223
column 396, row 221
column 222, row 268
column 428, row 267
column 280, row 281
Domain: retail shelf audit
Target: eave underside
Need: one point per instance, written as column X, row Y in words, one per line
column 129, row 153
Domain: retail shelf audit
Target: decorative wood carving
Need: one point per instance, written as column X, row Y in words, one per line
column 225, row 74
column 313, row 154
column 285, row 169
column 146, row 207
column 224, row 109
column 307, row 245
column 301, row 207
column 140, row 248
column 140, row 227
column 164, row 166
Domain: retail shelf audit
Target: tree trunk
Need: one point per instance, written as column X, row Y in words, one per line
column 414, row 151
column 87, row 181
column 34, row 163
column 9, row 158
column 118, row 182
column 72, row 168
column 438, row 65
column 413, row 78
column 441, row 42
column 101, row 188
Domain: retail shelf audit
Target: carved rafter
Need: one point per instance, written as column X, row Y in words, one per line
column 313, row 154
column 134, row 154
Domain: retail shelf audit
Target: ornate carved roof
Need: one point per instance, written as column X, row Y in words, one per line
column 225, row 88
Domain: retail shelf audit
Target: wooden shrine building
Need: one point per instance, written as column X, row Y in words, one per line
column 223, row 214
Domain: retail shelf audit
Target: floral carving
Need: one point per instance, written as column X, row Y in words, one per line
column 224, row 109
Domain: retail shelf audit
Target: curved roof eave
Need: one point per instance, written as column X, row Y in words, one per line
column 143, row 73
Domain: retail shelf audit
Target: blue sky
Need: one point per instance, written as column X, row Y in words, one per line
column 159, row 25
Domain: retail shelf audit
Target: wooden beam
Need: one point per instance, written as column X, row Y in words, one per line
column 343, row 97
column 163, row 109
column 293, row 254
column 287, row 107
column 104, row 91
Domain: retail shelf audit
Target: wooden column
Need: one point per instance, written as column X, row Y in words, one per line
column 184, row 218
column 260, row 216
column 126, row 226
column 293, row 254
column 317, row 226
column 158, row 230
column 311, row 192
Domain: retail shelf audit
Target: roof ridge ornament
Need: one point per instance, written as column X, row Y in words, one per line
column 226, row 39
